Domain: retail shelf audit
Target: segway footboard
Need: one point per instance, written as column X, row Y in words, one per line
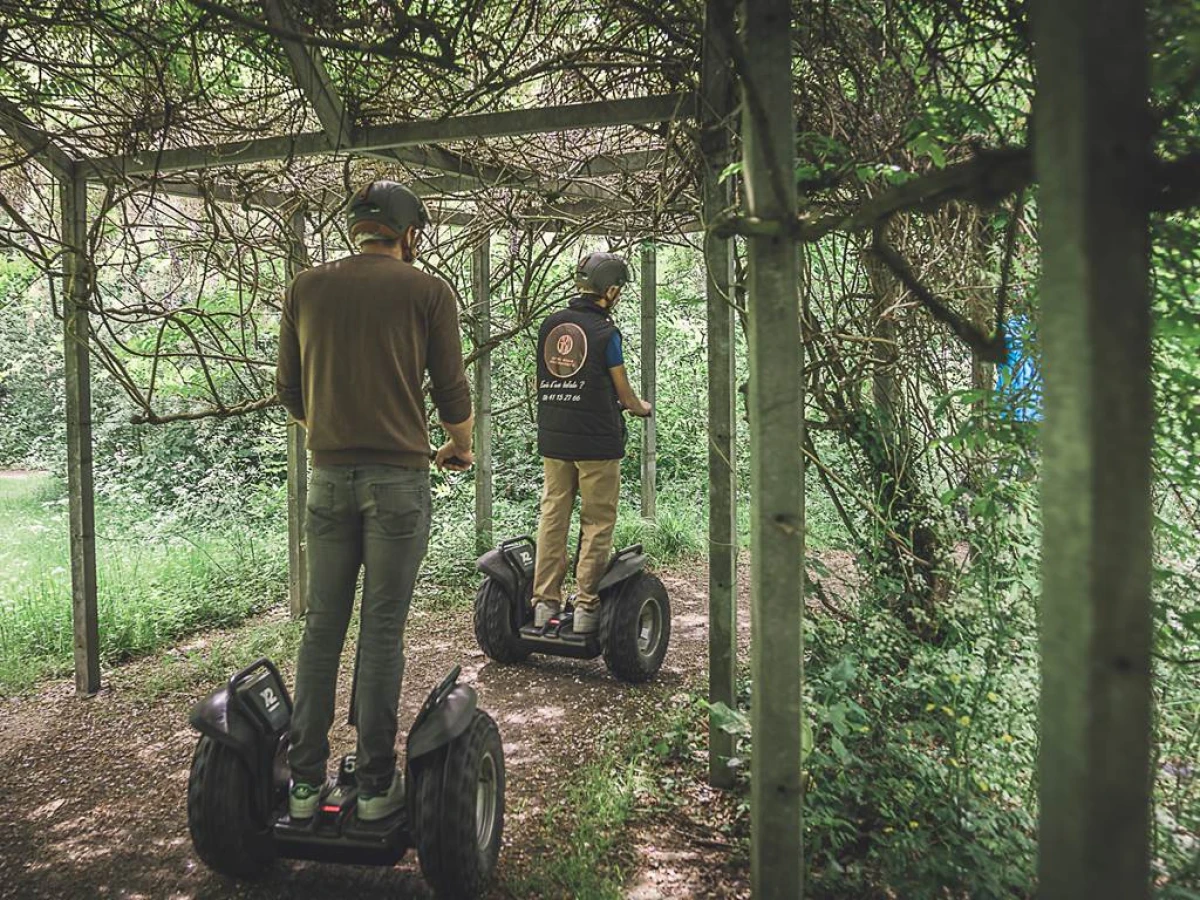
column 335, row 834
column 559, row 639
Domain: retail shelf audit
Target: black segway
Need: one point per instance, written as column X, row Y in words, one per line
column 454, row 780
column 635, row 613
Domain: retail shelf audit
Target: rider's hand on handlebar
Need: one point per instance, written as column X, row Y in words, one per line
column 642, row 410
column 450, row 456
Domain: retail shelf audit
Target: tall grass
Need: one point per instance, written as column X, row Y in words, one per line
column 153, row 586
column 165, row 574
column 213, row 560
column 600, row 801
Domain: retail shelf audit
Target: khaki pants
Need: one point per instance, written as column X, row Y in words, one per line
column 599, row 485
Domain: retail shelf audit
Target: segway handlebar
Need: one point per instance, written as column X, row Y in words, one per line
column 453, row 460
column 626, row 409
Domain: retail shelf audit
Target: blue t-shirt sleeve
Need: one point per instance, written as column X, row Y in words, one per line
column 613, row 355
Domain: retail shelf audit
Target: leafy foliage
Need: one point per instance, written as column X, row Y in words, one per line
column 922, row 668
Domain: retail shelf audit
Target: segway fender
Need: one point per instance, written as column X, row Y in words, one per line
column 493, row 565
column 214, row 718
column 625, row 564
column 444, row 722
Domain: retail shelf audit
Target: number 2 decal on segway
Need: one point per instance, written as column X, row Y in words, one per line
column 269, row 698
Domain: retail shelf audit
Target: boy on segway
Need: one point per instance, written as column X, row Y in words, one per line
column 582, row 386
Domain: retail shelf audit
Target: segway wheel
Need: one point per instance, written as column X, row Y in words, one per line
column 221, row 816
column 636, row 625
column 494, row 625
column 457, row 810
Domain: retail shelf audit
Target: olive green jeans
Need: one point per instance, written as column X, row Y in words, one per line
column 376, row 518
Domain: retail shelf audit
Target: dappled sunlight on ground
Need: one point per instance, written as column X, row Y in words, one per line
column 96, row 788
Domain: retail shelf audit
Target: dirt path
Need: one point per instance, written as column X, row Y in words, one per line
column 94, row 790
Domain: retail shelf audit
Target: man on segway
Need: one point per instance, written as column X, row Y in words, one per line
column 582, row 385
column 357, row 338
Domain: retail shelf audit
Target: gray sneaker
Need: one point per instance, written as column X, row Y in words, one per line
column 587, row 621
column 544, row 611
column 373, row 807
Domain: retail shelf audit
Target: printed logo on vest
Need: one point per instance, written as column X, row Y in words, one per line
column 566, row 350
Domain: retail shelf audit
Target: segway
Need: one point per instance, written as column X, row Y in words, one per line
column 238, row 787
column 635, row 613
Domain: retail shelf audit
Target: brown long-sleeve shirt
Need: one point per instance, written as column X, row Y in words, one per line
column 355, row 341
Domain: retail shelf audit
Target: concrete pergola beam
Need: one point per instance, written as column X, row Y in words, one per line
column 649, row 286
column 311, row 77
column 776, row 463
column 618, row 163
column 297, row 454
column 551, row 218
column 716, row 196
column 77, row 332
column 481, row 276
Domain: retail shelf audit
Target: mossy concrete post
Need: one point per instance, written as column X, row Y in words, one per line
column 777, row 466
column 716, row 109
column 80, row 485
column 297, row 458
column 481, row 273
column 1092, row 158
column 649, row 283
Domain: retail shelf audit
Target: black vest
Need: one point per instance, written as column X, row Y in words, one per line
column 578, row 414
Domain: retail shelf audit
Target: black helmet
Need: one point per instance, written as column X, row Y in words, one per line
column 384, row 210
column 600, row 271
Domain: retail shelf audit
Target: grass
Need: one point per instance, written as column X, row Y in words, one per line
column 595, row 815
column 161, row 579
column 211, row 660
column 153, row 587
column 681, row 530
column 589, row 846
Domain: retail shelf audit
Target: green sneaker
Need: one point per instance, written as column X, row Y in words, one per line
column 373, row 807
column 302, row 800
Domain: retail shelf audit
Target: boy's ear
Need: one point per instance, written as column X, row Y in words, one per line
column 408, row 243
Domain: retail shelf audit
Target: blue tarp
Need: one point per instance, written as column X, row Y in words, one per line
column 1019, row 378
